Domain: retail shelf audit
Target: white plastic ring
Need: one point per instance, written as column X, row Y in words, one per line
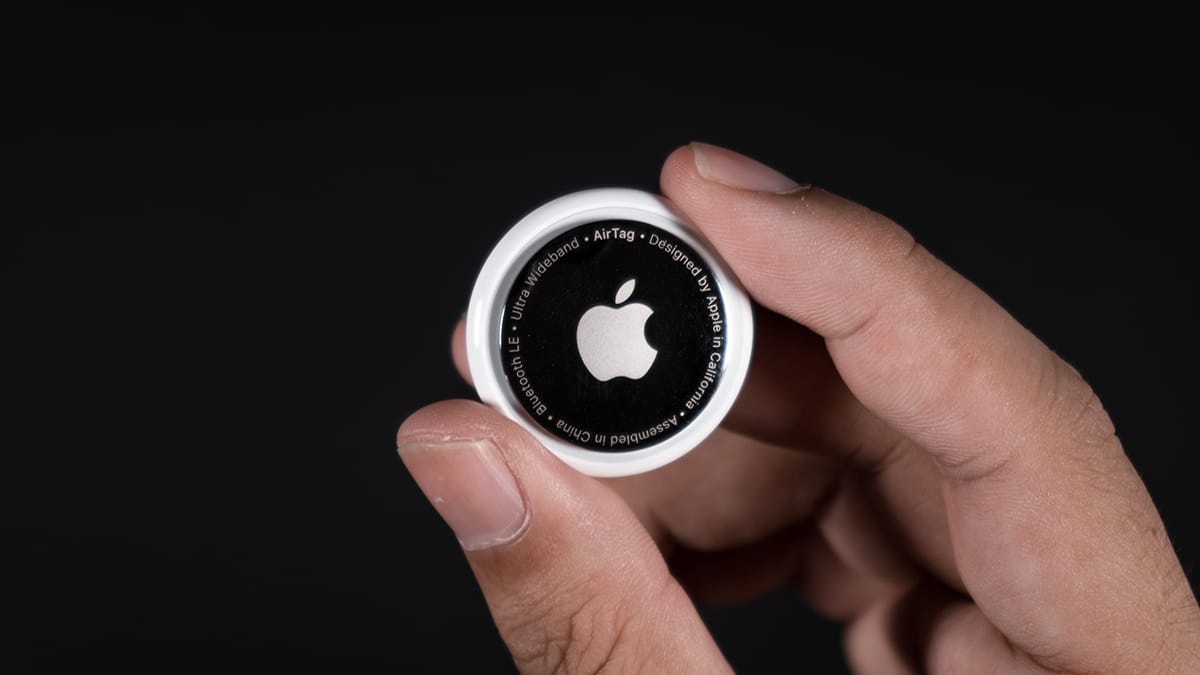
column 504, row 264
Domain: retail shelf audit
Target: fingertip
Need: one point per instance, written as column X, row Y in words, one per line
column 458, row 349
column 455, row 419
column 677, row 166
column 679, row 179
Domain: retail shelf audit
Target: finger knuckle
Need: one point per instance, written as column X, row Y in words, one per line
column 569, row 629
column 880, row 244
column 1071, row 411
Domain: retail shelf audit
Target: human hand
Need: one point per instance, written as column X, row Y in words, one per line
column 903, row 453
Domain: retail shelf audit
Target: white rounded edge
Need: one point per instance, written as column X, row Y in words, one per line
column 507, row 259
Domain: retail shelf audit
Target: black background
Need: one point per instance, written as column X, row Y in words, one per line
column 679, row 328
column 235, row 241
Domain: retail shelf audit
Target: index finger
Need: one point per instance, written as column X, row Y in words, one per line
column 1049, row 521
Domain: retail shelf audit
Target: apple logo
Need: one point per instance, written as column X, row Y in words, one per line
column 612, row 340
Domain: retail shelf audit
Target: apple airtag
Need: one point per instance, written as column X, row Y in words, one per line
column 604, row 324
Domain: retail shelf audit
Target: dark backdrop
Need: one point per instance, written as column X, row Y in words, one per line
column 235, row 243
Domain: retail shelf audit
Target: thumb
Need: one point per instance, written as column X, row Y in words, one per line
column 572, row 580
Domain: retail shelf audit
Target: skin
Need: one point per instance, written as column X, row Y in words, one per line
column 904, row 454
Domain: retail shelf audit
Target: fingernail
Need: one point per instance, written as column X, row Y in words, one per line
column 729, row 168
column 470, row 485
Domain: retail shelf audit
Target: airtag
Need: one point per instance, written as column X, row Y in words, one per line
column 603, row 324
